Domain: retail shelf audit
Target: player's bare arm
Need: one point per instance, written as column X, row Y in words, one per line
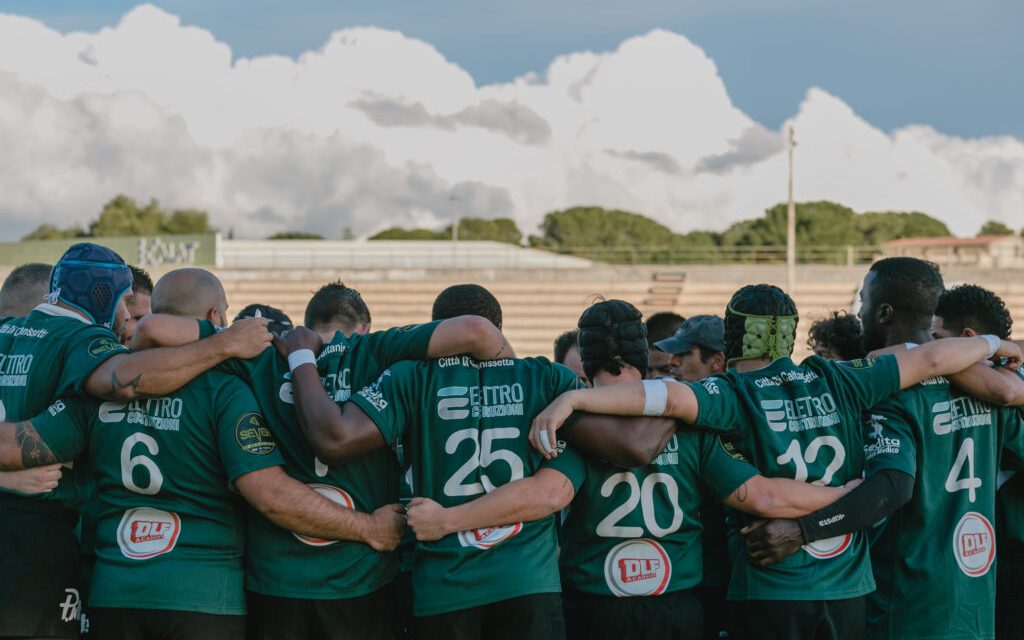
column 157, row 372
column 783, row 497
column 952, row 355
column 524, row 500
column 22, row 448
column 290, row 504
column 995, row 385
column 647, row 398
column 623, row 442
column 164, row 330
column 471, row 335
column 31, row 481
column 336, row 434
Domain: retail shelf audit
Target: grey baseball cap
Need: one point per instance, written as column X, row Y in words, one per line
column 697, row 331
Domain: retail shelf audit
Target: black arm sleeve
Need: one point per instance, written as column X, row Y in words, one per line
column 874, row 499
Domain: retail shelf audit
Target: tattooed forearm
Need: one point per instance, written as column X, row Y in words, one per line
column 117, row 387
column 34, row 451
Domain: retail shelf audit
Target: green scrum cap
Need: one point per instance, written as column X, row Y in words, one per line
column 765, row 336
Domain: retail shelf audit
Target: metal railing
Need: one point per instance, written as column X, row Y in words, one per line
column 848, row 255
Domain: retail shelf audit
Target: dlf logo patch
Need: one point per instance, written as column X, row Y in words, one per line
column 146, row 533
column 637, row 568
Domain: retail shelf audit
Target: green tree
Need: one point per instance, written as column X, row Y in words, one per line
column 50, row 232
column 995, row 228
column 878, row 227
column 498, row 229
column 817, row 223
column 295, row 235
column 598, row 227
column 184, row 221
column 398, row 233
column 122, row 216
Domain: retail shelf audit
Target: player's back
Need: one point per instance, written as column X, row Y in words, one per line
column 169, row 529
column 464, row 425
column 44, row 355
column 933, row 557
column 802, row 422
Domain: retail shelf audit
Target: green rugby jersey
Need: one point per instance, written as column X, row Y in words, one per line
column 637, row 532
column 464, row 427
column 283, row 564
column 169, row 529
column 1010, row 516
column 933, row 557
column 803, row 422
column 45, row 355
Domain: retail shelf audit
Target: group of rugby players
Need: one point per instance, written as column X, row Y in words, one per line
column 165, row 475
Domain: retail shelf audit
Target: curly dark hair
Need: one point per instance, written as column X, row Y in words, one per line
column 755, row 299
column 839, row 332
column 611, row 334
column 662, row 325
column 969, row 305
column 563, row 344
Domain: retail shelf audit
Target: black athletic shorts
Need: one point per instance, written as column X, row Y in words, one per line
column 533, row 617
column 162, row 624
column 1009, row 596
column 671, row 615
column 39, row 594
column 371, row 617
column 798, row 620
column 716, row 611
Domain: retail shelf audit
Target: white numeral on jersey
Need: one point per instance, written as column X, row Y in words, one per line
column 3, row 412
column 953, row 481
column 801, row 460
column 128, row 464
column 482, row 456
column 644, row 496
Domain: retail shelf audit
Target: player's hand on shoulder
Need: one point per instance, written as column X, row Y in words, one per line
column 771, row 541
column 428, row 519
column 545, row 425
column 247, row 338
column 388, row 527
column 298, row 339
column 1009, row 354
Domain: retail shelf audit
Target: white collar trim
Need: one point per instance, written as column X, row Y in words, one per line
column 54, row 310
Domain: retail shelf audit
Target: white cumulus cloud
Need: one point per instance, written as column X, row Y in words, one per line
column 375, row 128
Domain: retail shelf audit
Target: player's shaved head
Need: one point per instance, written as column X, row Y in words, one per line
column 191, row 293
column 24, row 288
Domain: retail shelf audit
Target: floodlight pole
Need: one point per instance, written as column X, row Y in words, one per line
column 790, row 219
column 455, row 219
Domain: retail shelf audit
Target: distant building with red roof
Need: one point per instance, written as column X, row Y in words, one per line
column 987, row 252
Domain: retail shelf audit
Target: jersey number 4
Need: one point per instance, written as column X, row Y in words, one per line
column 482, row 455
column 954, row 482
column 129, row 463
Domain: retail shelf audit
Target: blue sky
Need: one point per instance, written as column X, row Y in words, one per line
column 951, row 64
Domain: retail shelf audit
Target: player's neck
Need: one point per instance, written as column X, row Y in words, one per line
column 901, row 335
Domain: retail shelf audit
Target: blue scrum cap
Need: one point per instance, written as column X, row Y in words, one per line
column 91, row 279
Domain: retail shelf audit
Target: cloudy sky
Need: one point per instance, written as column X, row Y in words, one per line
column 310, row 115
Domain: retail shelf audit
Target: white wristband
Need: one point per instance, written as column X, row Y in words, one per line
column 655, row 397
column 993, row 343
column 298, row 358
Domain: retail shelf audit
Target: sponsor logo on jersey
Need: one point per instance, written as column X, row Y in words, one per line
column 71, row 608
column 859, row 363
column 489, row 401
column 710, row 386
column 99, row 346
column 466, row 361
column 731, row 449
column 489, row 536
column 801, row 414
column 56, row 407
column 331, row 350
column 878, row 442
column 336, row 495
column 670, row 456
column 146, row 533
column 374, row 395
column 637, row 568
column 14, row 369
column 253, row 436
column 829, row 547
column 974, row 544
column 784, row 377
column 960, row 413
column 15, row 331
